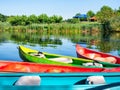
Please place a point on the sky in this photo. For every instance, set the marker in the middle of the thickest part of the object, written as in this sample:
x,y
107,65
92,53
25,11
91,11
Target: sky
x,y
65,8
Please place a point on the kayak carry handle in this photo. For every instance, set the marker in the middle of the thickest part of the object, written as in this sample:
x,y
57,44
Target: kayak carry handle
x,y
106,86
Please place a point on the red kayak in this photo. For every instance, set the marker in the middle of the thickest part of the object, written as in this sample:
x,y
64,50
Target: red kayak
x,y
10,66
112,70
108,59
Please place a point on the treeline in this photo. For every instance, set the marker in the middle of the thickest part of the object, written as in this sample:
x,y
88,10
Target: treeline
x,y
109,18
27,20
103,15
106,15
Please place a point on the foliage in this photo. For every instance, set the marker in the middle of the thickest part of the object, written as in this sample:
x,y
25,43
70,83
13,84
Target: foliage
x,y
4,25
117,12
115,23
18,20
3,17
74,20
105,14
32,19
55,19
90,14
43,18
77,14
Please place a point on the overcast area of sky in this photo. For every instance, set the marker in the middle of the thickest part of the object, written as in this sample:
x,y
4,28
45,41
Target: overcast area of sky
x,y
65,8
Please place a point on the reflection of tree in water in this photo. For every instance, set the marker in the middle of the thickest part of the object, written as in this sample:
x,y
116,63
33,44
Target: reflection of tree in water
x,y
35,38
107,46
119,52
105,36
106,31
52,39
4,37
118,48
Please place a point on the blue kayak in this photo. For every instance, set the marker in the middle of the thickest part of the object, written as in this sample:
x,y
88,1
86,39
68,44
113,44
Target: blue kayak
x,y
61,81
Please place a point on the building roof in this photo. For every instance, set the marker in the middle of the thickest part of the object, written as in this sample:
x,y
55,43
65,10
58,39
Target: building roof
x,y
93,18
80,16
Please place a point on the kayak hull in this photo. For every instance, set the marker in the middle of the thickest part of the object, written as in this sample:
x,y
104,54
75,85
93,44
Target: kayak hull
x,y
67,81
83,53
10,66
24,54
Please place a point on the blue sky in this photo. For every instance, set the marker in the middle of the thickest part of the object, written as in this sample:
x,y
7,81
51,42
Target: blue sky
x,y
65,8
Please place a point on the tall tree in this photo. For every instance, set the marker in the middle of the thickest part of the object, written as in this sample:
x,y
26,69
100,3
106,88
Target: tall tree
x,y
32,19
90,14
118,11
3,17
115,23
55,19
77,14
104,14
43,18
18,20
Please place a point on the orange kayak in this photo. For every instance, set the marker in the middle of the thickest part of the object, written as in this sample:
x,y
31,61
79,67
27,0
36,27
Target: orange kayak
x,y
11,66
103,58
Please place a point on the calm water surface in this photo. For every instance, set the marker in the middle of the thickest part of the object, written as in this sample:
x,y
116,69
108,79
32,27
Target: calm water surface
x,y
59,43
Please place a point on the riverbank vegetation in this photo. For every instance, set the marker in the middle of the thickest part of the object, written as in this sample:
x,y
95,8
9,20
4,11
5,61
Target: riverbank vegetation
x,y
106,18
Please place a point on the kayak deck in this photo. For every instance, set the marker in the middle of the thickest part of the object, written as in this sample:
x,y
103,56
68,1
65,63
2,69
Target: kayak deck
x,y
59,78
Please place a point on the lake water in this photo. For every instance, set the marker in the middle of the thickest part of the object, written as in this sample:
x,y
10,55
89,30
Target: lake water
x,y
58,43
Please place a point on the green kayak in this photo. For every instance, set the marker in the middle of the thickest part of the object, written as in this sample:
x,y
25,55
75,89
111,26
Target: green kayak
x,y
31,55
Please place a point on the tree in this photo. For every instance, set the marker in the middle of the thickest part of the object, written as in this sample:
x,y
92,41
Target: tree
x,y
43,18
104,14
51,19
13,20
115,23
118,11
90,14
59,19
24,20
32,19
74,20
77,14
55,19
3,17
18,20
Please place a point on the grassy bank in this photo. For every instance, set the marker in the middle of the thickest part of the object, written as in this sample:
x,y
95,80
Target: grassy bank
x,y
56,26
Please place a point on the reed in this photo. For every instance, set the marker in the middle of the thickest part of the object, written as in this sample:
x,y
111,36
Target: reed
x,y
53,26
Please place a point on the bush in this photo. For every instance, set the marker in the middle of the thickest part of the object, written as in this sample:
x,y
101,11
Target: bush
x,y
115,23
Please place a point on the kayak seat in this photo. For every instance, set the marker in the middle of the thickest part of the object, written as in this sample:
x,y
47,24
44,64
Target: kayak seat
x,y
92,64
95,80
92,80
38,54
62,59
107,59
28,81
92,55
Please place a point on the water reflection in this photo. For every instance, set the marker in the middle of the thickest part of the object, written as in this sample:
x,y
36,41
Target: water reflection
x,y
93,39
119,52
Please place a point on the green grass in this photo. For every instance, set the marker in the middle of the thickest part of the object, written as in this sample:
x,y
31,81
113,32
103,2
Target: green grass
x,y
53,26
